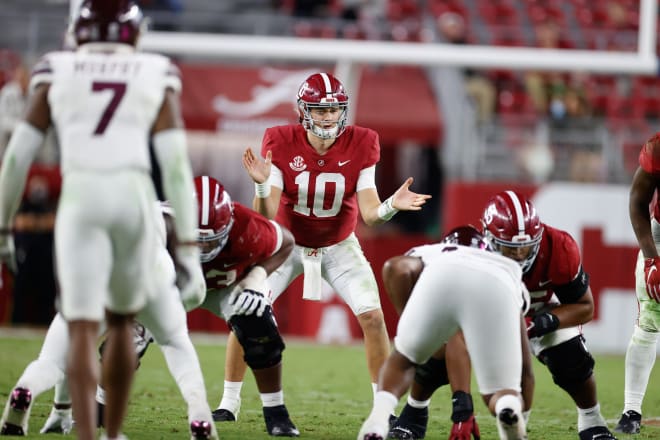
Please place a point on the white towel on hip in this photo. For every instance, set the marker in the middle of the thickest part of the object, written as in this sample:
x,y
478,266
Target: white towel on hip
x,y
312,280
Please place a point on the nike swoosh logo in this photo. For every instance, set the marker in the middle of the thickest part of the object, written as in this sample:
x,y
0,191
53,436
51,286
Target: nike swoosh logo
x,y
544,283
341,164
225,265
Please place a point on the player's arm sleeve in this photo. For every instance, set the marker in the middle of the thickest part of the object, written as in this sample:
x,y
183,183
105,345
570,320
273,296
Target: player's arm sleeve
x,y
172,156
572,291
367,178
21,151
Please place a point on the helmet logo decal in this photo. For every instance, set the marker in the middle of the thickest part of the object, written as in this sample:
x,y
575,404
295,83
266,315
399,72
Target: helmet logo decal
x,y
518,212
205,198
298,164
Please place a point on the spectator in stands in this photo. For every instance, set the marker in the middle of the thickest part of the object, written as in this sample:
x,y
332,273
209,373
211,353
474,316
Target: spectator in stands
x,y
480,88
547,89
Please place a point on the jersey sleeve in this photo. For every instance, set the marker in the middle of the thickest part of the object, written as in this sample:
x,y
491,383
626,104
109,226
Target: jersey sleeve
x,y
649,159
173,77
42,73
372,148
571,282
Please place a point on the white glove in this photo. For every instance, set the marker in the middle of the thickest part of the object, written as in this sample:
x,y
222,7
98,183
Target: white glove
x,y
7,251
59,421
248,302
189,276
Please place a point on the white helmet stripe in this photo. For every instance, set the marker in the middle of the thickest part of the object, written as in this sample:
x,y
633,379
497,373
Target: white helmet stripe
x,y
205,201
520,217
326,82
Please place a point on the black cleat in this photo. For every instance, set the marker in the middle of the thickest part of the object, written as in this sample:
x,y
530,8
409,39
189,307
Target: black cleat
x,y
411,424
278,422
201,430
629,423
16,414
596,433
223,415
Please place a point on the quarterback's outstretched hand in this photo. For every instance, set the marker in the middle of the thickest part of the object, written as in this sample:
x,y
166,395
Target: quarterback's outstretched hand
x,y
256,167
7,251
652,277
405,200
465,430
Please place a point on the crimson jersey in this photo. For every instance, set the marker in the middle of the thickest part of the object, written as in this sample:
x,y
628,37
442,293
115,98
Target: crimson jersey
x,y
318,202
252,239
649,160
556,270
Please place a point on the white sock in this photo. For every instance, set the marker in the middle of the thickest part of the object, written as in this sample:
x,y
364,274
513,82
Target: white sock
x,y
100,395
62,396
40,376
514,403
419,404
384,404
272,399
590,417
183,363
231,396
640,358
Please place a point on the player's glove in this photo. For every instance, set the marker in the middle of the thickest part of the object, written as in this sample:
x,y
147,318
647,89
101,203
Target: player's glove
x,y
249,302
652,277
462,414
465,430
8,251
542,324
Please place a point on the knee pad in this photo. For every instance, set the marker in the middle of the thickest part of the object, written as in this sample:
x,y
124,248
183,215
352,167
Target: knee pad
x,y
432,374
570,363
260,339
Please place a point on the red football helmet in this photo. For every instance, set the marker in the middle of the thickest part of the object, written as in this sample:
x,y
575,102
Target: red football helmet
x,y
216,216
467,235
511,220
108,21
322,90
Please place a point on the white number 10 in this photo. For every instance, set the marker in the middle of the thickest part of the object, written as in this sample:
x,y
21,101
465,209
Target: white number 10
x,y
302,180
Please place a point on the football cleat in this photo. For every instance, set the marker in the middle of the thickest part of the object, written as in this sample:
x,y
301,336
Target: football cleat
x,y
59,421
223,415
17,413
596,433
629,423
411,424
278,422
510,426
202,430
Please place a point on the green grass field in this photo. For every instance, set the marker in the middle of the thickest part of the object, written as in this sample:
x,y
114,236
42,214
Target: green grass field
x,y
327,392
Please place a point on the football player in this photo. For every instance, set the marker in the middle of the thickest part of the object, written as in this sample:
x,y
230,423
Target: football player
x,y
239,249
165,316
640,355
316,177
561,300
105,101
458,284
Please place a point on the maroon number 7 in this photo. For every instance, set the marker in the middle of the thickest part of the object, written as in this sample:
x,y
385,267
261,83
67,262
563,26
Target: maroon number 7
x,y
118,90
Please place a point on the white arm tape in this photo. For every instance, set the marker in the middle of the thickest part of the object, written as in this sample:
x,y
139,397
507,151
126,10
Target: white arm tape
x,y
21,151
256,279
262,190
386,211
172,155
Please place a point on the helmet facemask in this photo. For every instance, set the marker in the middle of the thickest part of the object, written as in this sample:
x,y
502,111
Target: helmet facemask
x,y
212,242
315,126
518,242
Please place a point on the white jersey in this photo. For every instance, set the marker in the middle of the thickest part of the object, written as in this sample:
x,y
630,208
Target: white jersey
x,y
103,104
482,261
